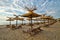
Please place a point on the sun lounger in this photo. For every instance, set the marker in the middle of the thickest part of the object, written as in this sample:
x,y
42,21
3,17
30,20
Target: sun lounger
x,y
8,26
13,27
20,26
33,31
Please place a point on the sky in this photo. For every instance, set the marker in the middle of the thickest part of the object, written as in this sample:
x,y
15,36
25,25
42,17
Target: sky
x,y
10,7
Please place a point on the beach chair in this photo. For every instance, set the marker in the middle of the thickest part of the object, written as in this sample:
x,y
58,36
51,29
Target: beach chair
x,y
13,27
7,26
37,23
34,31
20,26
47,25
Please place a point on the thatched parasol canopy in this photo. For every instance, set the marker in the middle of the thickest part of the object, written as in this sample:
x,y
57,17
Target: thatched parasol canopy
x,y
22,19
44,17
10,19
31,14
18,18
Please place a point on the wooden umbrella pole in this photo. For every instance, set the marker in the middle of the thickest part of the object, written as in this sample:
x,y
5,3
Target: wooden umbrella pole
x,y
10,23
37,20
31,21
44,21
16,23
22,22
34,21
48,22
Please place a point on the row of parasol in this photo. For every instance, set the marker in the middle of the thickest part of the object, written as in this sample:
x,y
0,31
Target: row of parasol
x,y
30,15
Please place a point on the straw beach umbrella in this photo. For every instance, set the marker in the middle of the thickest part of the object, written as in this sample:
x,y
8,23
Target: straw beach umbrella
x,y
10,19
46,18
51,20
42,17
34,19
29,19
18,18
22,19
30,14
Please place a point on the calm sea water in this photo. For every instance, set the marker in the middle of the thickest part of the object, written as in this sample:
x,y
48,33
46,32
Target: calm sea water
x,y
14,22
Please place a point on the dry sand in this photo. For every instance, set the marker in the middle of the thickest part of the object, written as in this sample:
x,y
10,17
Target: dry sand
x,y
48,33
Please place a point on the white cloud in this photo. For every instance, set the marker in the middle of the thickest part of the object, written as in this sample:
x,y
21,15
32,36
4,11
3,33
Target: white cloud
x,y
2,6
44,3
2,10
3,17
51,12
8,13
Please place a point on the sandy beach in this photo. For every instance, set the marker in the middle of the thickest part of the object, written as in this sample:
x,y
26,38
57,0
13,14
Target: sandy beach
x,y
49,33
29,19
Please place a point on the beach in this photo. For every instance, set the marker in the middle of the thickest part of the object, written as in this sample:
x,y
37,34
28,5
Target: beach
x,y
49,33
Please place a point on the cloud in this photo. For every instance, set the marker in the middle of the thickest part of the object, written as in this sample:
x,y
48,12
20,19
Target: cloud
x,y
45,3
2,10
51,12
5,2
2,18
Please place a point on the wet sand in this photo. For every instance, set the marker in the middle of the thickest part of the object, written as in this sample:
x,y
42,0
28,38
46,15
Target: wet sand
x,y
48,33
